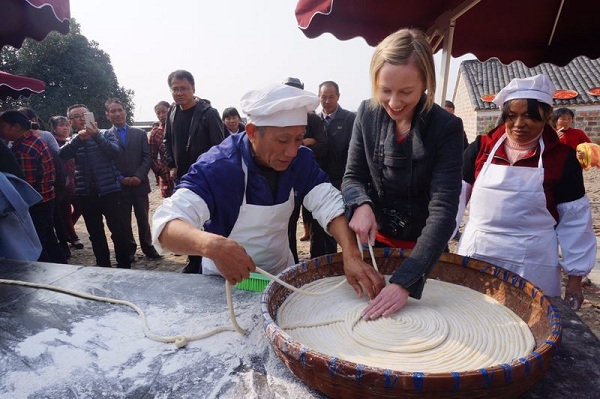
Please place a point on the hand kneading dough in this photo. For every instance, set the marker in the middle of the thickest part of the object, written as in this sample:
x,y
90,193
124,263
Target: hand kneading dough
x,y
452,328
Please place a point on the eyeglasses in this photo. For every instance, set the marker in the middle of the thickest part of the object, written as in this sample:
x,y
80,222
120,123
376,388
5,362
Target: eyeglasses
x,y
180,89
77,116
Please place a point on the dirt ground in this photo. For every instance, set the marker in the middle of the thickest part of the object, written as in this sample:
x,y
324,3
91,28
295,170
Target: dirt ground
x,y
589,312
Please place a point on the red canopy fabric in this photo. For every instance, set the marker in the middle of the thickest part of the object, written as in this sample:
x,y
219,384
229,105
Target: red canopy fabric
x,y
15,86
20,19
531,31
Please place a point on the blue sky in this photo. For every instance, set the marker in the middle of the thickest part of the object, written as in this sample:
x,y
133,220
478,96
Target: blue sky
x,y
230,46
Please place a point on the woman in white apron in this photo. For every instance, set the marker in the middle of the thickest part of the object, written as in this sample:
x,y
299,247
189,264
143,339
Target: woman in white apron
x,y
528,196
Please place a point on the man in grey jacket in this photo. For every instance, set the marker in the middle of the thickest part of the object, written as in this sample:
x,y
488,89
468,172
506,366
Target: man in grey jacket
x,y
133,164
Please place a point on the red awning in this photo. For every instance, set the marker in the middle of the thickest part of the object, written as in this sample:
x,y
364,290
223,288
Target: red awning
x,y
531,31
15,86
20,19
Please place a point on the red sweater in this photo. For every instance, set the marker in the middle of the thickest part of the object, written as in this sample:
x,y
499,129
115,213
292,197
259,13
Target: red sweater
x,y
574,137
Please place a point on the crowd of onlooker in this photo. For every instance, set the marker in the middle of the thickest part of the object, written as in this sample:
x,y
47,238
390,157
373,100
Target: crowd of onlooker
x,y
101,175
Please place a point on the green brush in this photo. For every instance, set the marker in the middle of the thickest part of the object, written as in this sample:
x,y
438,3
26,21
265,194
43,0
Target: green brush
x,y
257,283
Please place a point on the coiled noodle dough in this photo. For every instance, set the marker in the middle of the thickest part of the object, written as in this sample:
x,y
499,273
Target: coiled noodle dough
x,y
451,329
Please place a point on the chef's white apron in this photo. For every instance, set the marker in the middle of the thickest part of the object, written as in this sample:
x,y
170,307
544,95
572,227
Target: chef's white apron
x,y
510,225
262,231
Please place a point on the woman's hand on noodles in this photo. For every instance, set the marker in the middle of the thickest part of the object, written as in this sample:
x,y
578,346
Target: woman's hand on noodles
x,y
391,299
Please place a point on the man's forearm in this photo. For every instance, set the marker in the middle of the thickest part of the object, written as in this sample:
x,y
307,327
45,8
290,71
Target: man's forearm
x,y
183,238
345,237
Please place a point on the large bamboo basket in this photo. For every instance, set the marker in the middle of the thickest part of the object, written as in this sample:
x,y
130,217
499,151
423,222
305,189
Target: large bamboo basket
x,y
342,379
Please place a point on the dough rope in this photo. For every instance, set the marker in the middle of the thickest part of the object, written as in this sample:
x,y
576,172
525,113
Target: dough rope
x,y
179,340
182,340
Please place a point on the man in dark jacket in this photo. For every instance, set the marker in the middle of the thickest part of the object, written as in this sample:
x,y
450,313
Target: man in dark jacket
x,y
97,187
192,127
133,164
338,125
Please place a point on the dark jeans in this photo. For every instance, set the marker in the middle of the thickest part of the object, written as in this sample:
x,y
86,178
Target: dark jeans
x,y
42,215
292,231
130,199
68,215
93,207
194,265
321,243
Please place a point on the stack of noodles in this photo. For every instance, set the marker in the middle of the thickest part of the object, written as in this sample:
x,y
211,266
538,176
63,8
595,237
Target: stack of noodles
x,y
451,329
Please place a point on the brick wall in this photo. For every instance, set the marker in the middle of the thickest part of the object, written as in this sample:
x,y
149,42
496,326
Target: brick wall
x,y
464,109
486,121
587,118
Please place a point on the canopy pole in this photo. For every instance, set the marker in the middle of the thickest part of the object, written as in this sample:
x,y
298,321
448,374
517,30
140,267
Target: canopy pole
x,y
440,95
448,21
556,22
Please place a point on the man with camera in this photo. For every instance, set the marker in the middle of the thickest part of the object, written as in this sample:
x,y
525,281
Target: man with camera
x,y
96,186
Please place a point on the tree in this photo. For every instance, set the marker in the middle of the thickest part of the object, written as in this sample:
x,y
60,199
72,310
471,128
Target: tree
x,y
75,71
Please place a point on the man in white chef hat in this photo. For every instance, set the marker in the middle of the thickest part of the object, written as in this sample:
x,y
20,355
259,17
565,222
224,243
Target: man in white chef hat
x,y
233,206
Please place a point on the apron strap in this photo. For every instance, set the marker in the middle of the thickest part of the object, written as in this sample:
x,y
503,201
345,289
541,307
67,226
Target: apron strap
x,y
490,157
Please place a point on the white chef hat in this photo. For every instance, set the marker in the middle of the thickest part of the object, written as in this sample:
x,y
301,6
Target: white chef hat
x,y
538,87
278,105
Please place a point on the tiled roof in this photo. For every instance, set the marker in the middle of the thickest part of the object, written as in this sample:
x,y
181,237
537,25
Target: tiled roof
x,y
489,77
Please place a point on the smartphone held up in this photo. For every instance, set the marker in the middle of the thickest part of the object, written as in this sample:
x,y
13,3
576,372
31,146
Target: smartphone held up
x,y
89,119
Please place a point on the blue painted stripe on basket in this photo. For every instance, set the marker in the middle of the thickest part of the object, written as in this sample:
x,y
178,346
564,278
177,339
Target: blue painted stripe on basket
x,y
303,267
505,275
389,380
303,351
465,261
386,252
553,345
456,378
418,379
534,292
401,252
556,324
513,281
329,258
487,378
359,372
332,366
538,356
496,271
527,365
508,372
316,261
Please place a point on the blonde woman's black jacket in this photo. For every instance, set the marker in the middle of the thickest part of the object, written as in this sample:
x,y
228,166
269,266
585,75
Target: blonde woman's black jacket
x,y
420,177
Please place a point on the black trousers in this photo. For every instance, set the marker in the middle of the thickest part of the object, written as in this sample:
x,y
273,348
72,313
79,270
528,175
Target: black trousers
x,y
321,243
42,215
93,208
130,199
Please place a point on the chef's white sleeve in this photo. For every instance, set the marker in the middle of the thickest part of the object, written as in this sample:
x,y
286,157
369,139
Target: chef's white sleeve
x,y
325,202
463,200
576,237
184,204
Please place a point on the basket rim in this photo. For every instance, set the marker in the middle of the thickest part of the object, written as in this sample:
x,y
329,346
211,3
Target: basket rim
x,y
544,350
